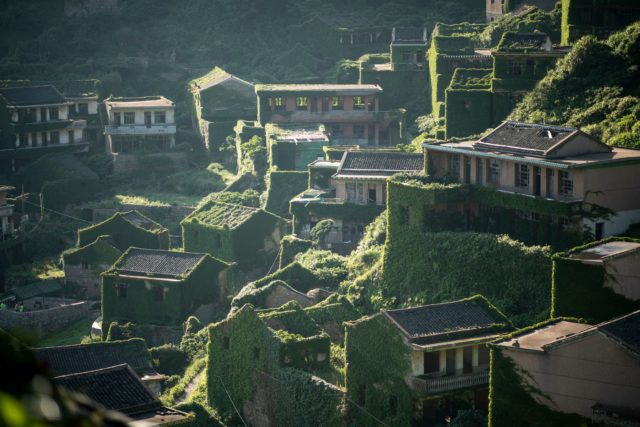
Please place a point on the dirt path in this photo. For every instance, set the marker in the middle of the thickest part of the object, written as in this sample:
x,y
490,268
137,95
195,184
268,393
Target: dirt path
x,y
190,387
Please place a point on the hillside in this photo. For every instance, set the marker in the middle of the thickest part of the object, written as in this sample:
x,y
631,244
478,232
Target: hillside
x,y
596,87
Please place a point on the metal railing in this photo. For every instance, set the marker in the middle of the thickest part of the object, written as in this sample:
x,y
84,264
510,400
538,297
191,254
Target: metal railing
x,y
135,129
445,384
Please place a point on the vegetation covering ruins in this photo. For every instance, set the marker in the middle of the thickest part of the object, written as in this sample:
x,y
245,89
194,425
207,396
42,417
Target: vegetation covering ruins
x,y
319,213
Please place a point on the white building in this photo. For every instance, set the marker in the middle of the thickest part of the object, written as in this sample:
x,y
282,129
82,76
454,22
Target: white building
x,y
139,124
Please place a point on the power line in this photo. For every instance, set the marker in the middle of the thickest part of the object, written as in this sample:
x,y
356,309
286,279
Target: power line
x,y
57,212
230,399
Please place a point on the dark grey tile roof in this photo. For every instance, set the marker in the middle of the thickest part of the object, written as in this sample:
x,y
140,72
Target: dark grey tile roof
x,y
71,359
116,388
157,262
379,163
32,95
534,138
446,321
625,330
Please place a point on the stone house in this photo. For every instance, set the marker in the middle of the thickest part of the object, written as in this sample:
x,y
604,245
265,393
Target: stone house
x,y
221,99
360,193
351,113
434,361
569,369
118,388
293,147
35,120
83,265
554,176
77,358
126,229
234,233
151,286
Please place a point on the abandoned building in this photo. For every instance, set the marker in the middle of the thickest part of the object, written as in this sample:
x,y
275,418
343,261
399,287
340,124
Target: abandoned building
x,y
598,385
7,221
221,99
496,8
83,265
145,124
434,360
293,147
78,358
234,233
597,17
597,281
126,229
350,113
35,120
356,194
561,175
158,287
118,388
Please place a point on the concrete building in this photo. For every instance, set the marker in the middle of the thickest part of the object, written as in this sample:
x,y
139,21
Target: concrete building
x,y
544,162
144,124
350,113
576,368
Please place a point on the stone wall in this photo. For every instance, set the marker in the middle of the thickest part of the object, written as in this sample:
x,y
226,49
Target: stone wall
x,y
86,278
38,324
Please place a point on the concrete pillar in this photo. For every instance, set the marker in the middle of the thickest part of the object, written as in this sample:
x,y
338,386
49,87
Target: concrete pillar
x,y
475,352
459,361
443,362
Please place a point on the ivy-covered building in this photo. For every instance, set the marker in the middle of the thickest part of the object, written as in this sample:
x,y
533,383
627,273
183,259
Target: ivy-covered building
x,y
403,72
234,233
83,265
562,373
357,193
351,113
126,229
480,98
597,281
496,8
150,286
422,364
220,99
260,364
597,17
35,120
554,178
293,147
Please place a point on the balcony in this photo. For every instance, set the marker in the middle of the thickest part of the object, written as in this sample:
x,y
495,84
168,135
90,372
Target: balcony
x,y
155,129
334,116
440,385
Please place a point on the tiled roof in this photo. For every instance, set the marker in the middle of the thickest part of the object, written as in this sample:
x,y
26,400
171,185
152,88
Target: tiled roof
x,y
525,136
72,359
625,330
443,322
139,220
157,262
32,95
359,163
116,388
220,214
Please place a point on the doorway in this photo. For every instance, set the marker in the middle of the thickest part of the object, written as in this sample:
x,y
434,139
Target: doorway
x,y
536,180
451,362
372,195
599,230
147,118
467,170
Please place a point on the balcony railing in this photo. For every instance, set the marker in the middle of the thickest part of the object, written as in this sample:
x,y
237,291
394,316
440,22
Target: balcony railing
x,y
6,210
446,384
154,129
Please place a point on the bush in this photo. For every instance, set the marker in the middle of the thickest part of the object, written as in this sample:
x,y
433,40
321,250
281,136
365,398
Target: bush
x,y
168,359
321,230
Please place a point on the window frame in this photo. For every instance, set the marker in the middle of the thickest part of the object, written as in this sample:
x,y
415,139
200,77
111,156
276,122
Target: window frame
x,y
522,175
129,118
160,117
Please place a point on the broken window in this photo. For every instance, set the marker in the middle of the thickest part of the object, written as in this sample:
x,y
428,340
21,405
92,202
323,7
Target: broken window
x,y
522,175
302,103
158,293
337,103
129,118
454,166
565,183
225,343
493,171
53,113
278,103
83,108
121,290
358,103
404,215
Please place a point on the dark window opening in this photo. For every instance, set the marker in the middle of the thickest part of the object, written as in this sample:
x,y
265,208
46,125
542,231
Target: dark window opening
x,y
121,291
83,108
158,293
483,355
467,360
393,405
256,353
404,215
225,343
361,398
431,362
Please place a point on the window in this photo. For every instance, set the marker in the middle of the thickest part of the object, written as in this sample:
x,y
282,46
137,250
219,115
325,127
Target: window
x,y
350,188
83,108
493,171
337,130
516,68
129,118
278,103
454,166
72,137
121,290
53,113
225,343
565,183
358,131
361,398
483,355
117,119
337,103
23,139
431,362
360,192
85,265
393,405
404,215
256,353
302,103
358,103
158,293
23,116
522,175
160,117
55,137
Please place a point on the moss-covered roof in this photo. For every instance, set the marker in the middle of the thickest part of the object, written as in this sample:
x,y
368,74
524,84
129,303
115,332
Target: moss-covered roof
x,y
156,262
471,78
290,318
213,78
223,215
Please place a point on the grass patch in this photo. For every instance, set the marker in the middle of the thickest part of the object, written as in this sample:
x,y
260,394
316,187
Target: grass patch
x,y
23,274
75,333
171,396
